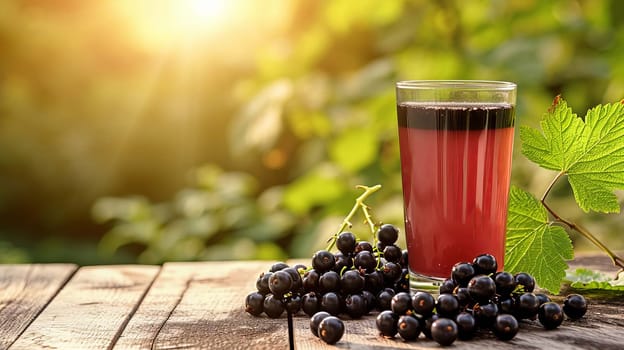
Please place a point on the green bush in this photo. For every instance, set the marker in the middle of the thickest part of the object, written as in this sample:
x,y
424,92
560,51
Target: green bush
x,y
320,108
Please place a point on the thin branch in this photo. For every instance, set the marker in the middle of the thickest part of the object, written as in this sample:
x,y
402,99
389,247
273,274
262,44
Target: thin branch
x,y
617,261
359,202
551,185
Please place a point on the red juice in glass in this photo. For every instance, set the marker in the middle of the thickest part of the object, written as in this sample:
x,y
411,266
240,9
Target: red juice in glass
x,y
455,164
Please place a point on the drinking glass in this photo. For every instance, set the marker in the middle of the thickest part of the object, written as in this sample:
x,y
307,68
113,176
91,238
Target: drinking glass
x,y
455,139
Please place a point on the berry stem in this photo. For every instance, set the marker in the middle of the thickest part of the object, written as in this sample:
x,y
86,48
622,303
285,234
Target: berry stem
x,y
368,218
617,261
359,203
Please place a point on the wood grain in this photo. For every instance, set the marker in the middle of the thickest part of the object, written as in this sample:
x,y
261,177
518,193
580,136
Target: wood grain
x,y
24,291
91,310
201,306
171,293
210,313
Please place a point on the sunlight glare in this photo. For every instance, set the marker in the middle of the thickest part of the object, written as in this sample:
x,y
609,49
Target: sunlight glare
x,y
159,22
202,14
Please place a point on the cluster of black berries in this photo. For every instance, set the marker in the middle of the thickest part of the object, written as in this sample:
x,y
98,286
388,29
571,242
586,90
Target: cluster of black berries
x,y
278,290
358,279
475,297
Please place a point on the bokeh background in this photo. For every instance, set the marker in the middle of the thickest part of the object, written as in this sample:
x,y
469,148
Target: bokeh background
x,y
153,130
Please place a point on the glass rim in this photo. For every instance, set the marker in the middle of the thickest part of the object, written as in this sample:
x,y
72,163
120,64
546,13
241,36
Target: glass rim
x,y
457,84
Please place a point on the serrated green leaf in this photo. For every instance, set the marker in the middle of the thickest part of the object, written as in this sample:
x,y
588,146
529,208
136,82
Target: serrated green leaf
x,y
588,279
558,147
600,169
590,152
533,245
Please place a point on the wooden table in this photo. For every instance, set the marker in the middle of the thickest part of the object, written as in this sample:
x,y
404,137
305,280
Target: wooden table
x,y
200,306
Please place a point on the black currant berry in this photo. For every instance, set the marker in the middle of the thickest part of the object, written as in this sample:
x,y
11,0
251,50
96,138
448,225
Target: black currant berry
x,y
323,261
280,283
481,288
401,303
402,285
463,296
253,303
404,259
447,305
391,272
387,234
315,321
444,331
262,283
485,264
506,305
273,306
371,300
293,304
461,273
505,283
355,306
505,327
365,260
408,327
380,247
343,262
466,325
575,306
386,322
374,281
310,303
550,315
384,299
543,298
423,303
426,329
310,281
278,266
351,282
297,282
329,282
330,302
331,329
526,281
527,305
363,245
392,253
448,286
485,314
346,242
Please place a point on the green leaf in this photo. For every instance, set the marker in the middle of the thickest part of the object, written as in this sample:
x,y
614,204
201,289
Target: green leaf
x,y
588,279
590,152
533,245
318,187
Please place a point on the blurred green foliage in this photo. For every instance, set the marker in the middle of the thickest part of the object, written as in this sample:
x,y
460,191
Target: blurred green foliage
x,y
288,121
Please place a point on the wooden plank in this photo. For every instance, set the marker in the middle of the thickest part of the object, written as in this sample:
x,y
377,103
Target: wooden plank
x,y
601,328
167,291
24,291
210,315
91,310
198,306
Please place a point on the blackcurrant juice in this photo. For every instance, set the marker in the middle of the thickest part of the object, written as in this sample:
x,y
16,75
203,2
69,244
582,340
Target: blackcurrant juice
x,y
455,164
